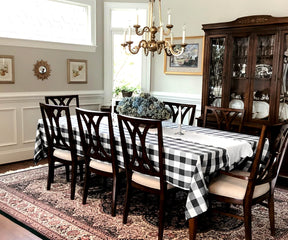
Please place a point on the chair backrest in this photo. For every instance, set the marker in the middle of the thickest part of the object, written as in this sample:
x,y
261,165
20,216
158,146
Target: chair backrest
x,y
225,118
62,100
52,117
134,132
267,172
90,132
185,109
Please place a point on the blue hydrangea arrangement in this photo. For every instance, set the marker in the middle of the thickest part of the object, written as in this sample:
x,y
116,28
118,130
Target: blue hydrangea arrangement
x,y
145,106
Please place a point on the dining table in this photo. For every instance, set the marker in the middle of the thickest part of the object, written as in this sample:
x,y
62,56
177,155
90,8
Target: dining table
x,y
192,155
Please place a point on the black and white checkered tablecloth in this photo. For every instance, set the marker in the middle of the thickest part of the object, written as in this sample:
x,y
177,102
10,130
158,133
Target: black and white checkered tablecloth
x,y
188,164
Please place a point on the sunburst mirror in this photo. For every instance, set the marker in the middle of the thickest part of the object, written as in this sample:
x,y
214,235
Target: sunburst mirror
x,y
42,70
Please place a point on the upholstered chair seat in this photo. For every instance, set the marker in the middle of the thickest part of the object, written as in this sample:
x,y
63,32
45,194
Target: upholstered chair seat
x,y
232,187
102,166
148,181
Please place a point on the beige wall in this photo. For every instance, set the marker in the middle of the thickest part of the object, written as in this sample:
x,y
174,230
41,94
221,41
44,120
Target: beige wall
x,y
25,58
194,14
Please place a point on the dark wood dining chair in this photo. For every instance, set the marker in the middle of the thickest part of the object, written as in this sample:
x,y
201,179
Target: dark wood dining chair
x,y
229,119
100,158
141,171
62,100
61,145
185,109
254,187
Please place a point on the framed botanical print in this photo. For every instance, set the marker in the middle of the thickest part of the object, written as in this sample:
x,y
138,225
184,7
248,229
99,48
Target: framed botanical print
x,y
77,71
188,63
7,69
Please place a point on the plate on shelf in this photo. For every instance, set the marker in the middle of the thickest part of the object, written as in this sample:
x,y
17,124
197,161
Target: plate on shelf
x,y
216,102
260,109
236,103
283,111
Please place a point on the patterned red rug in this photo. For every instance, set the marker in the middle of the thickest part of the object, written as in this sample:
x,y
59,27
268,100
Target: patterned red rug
x,y
52,215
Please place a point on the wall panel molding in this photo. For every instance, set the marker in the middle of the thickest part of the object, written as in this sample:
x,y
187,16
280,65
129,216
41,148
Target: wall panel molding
x,y
8,126
19,114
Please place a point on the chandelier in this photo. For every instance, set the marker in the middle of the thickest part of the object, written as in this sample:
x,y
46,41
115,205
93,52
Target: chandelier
x,y
149,43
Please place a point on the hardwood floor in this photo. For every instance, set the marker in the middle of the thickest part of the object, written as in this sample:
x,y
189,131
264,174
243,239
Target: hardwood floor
x,y
8,229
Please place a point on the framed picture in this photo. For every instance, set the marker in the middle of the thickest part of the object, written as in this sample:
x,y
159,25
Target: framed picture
x,y
188,63
7,69
76,71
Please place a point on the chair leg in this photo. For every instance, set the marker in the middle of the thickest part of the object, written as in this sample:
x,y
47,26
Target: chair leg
x,y
114,196
161,218
81,171
86,185
73,180
50,174
127,201
67,172
271,214
247,222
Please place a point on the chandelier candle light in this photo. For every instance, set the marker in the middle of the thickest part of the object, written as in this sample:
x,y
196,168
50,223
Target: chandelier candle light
x,y
149,43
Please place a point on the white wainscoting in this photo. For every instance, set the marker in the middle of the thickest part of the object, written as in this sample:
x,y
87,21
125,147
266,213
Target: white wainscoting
x,y
181,98
19,113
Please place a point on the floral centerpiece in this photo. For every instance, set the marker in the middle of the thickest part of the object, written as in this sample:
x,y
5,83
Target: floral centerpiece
x,y
144,105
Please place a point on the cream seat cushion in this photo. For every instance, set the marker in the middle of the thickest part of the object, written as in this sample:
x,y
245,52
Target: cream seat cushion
x,y
232,187
102,166
63,154
148,181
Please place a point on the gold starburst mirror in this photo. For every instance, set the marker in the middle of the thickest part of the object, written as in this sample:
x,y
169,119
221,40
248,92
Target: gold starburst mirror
x,y
42,70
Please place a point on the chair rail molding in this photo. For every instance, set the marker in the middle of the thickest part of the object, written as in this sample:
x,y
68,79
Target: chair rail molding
x,y
19,114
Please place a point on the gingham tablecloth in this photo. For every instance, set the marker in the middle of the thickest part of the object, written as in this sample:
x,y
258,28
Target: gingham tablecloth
x,y
188,164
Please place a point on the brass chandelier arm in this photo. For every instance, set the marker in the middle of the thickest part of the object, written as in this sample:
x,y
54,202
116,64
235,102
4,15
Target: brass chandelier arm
x,y
139,32
169,49
169,29
135,49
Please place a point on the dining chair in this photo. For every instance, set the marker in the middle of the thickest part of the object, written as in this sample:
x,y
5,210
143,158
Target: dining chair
x,y
61,144
145,167
254,187
62,100
185,109
100,158
229,119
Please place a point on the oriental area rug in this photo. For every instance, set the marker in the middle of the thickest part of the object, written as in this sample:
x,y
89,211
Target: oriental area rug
x,y
52,215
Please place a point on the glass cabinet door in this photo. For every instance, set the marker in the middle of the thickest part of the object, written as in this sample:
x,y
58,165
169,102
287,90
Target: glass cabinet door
x,y
216,66
283,106
263,76
239,73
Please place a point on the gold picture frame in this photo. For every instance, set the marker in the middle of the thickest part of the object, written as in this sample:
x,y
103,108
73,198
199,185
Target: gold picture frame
x,y
76,71
190,62
7,69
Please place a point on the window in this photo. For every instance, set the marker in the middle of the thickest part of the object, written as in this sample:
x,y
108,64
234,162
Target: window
x,y
53,21
121,67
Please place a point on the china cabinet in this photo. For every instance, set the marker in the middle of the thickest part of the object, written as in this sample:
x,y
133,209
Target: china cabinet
x,y
245,66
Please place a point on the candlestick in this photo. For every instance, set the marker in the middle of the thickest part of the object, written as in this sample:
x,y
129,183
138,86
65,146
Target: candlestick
x,y
179,121
169,16
183,34
161,33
